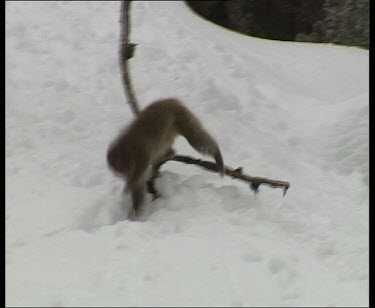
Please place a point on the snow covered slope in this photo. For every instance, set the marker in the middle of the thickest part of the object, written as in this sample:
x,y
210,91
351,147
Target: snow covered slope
x,y
290,111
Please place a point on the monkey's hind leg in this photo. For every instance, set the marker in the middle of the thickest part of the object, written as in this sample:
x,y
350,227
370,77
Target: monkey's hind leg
x,y
154,172
138,193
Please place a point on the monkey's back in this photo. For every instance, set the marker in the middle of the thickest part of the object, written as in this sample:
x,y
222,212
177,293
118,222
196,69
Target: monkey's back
x,y
155,127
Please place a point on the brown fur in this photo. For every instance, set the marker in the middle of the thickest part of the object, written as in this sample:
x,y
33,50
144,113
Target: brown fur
x,y
149,137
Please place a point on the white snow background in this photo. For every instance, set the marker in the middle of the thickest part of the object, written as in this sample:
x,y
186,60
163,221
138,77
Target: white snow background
x,y
290,111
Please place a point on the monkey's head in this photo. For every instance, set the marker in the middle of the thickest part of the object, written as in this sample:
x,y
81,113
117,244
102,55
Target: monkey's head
x,y
118,160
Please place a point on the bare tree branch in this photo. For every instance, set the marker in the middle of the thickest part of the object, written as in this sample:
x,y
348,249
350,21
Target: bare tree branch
x,y
126,53
254,182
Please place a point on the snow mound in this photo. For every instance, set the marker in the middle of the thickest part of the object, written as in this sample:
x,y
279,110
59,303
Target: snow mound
x,y
283,110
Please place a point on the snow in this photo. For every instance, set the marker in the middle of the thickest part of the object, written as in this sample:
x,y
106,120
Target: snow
x,y
290,111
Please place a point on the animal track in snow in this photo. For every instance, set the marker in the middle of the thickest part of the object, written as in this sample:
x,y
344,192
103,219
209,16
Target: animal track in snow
x,y
276,265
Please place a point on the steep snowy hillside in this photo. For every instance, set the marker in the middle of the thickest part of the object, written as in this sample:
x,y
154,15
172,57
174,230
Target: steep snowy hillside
x,y
290,111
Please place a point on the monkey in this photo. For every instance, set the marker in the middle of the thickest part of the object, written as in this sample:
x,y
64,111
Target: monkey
x,y
149,138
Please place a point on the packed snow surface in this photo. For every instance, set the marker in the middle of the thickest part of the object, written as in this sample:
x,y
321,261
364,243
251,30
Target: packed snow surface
x,y
290,111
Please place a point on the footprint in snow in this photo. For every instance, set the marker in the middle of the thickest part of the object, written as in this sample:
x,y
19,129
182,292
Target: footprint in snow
x,y
284,274
276,265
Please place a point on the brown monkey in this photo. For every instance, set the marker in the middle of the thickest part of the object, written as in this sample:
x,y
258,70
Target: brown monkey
x,y
150,137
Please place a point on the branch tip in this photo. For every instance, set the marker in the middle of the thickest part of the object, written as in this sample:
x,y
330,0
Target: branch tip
x,y
285,190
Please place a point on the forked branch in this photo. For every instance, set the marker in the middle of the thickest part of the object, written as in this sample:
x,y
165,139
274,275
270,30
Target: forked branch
x,y
126,53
